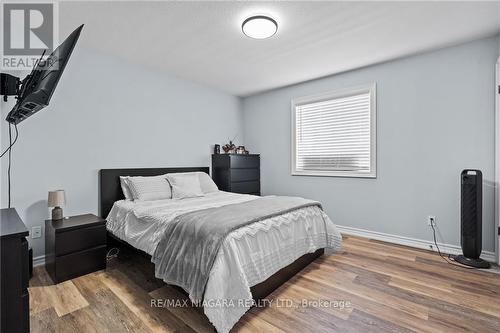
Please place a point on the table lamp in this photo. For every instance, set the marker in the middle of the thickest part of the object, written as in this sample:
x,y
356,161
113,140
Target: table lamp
x,y
56,199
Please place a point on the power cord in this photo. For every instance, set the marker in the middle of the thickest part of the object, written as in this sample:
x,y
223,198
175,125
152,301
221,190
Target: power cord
x,y
112,253
9,151
10,161
11,144
449,256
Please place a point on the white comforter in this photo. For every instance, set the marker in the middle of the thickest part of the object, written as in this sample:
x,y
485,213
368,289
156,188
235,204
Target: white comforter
x,y
248,255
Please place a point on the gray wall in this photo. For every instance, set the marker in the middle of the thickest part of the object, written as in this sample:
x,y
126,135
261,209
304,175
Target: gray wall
x,y
498,44
435,118
107,113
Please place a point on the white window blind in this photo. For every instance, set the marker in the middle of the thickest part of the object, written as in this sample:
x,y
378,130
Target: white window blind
x,y
334,134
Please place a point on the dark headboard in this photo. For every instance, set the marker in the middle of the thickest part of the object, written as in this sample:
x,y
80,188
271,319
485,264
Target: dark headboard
x,y
111,191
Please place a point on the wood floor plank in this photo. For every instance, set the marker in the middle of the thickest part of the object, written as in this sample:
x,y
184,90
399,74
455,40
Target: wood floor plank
x,y
376,296
376,324
44,321
139,302
354,247
449,271
89,284
40,299
297,293
251,323
138,269
382,267
189,315
424,279
388,288
63,297
490,307
403,250
66,298
109,311
85,320
438,308
40,277
289,319
380,310
443,274
347,285
106,311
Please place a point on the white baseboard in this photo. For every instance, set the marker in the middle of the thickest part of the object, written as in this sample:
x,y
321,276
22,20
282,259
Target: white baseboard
x,y
39,261
413,242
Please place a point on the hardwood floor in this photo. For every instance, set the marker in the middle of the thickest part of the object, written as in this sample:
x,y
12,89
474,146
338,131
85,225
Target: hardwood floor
x,y
384,287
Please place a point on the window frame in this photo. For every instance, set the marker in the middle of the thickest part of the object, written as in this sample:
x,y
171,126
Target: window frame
x,y
338,93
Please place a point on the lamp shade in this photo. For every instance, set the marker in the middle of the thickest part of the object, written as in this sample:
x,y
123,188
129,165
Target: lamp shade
x,y
56,198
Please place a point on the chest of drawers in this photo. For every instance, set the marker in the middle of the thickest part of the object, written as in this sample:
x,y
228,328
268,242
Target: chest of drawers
x,y
237,173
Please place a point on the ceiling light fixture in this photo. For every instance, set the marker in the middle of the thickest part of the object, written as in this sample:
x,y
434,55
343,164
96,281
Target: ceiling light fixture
x,y
259,27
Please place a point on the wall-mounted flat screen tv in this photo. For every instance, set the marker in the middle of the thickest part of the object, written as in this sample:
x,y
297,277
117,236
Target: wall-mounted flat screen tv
x,y
37,88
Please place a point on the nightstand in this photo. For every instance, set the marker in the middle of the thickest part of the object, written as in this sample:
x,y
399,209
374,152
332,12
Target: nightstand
x,y
75,246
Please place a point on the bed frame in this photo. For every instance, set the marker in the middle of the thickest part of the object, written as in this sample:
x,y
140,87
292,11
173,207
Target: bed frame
x,y
110,191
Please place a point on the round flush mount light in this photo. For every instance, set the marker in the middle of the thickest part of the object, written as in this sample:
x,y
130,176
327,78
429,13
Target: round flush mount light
x,y
259,27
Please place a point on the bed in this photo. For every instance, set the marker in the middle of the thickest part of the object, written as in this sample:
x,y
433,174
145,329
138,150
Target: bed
x,y
254,259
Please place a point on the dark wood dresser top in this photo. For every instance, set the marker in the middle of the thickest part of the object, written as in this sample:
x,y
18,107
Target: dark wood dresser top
x,y
75,222
11,224
225,154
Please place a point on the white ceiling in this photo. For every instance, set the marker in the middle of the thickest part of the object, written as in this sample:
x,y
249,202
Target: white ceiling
x,y
203,42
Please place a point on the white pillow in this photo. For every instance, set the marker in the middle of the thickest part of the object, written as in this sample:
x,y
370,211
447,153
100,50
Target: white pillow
x,y
206,183
149,188
185,185
125,188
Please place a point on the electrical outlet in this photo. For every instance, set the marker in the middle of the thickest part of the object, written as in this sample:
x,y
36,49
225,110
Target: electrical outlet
x,y
36,232
431,220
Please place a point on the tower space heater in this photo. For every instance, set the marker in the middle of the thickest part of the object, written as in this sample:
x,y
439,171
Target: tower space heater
x,y
471,217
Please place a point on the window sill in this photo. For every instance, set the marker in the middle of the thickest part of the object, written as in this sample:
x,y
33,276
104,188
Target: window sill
x,y
335,174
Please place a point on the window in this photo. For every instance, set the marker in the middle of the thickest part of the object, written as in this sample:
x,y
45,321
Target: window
x,y
334,134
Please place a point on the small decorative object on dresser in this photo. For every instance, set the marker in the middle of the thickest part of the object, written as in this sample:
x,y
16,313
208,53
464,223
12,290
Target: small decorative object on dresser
x,y
216,149
75,246
241,150
229,148
238,173
56,199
